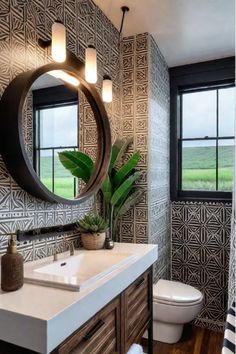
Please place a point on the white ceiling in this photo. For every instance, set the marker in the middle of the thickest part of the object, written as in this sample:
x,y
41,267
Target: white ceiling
x,y
186,31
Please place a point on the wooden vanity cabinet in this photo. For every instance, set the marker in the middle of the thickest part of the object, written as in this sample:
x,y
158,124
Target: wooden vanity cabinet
x,y
114,328
136,311
118,325
101,334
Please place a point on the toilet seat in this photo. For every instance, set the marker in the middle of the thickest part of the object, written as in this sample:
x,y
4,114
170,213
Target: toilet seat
x,y
175,293
173,303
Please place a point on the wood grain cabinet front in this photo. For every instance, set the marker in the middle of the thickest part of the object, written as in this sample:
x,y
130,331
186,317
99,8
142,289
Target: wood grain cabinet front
x,y
136,310
118,325
101,334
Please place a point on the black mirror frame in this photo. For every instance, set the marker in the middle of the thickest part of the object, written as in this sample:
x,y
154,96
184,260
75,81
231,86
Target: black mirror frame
x,y
11,134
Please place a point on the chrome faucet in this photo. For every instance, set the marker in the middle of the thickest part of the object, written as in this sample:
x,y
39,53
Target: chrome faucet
x,y
70,248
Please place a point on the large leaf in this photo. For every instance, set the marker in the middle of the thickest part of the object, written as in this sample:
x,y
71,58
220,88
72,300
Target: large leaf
x,y
124,188
78,163
126,169
130,201
124,197
106,189
118,149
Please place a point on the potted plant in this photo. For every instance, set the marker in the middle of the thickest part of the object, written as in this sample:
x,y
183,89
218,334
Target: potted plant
x,y
119,192
93,231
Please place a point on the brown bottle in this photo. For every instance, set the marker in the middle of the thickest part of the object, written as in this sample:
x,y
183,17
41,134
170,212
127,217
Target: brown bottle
x,y
11,268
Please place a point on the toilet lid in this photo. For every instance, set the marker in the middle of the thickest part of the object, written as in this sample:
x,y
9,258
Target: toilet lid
x,y
173,291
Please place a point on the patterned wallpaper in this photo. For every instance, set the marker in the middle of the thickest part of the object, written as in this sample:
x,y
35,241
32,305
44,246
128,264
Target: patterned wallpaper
x,y
200,255
158,161
232,261
145,114
21,24
232,265
134,122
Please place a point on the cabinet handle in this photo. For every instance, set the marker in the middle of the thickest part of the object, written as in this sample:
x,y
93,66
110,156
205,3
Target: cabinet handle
x,y
140,282
96,327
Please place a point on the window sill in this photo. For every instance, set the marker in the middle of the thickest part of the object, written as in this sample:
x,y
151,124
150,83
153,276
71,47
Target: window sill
x,y
202,199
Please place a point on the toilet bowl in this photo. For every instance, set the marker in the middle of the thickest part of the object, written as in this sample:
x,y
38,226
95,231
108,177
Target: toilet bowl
x,y
174,304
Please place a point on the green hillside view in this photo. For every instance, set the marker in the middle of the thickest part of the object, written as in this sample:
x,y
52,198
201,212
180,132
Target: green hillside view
x,y
199,168
198,171
63,182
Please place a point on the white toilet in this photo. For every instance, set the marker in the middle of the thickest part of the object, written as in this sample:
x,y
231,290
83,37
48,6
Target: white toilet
x,y
174,304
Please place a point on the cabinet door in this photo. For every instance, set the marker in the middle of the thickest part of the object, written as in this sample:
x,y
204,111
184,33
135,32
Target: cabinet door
x,y
100,335
136,310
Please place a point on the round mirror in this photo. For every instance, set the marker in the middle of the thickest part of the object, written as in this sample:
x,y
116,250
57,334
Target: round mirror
x,y
58,119
61,133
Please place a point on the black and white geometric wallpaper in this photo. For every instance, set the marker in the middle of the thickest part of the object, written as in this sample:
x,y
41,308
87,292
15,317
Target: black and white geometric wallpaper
x,y
134,122
159,161
200,255
145,115
232,261
22,22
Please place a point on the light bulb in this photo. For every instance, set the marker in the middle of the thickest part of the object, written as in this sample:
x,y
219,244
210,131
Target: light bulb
x,y
107,89
64,76
91,65
58,42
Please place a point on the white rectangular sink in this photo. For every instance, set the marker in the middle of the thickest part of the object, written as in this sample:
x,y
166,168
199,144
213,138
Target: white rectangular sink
x,y
77,272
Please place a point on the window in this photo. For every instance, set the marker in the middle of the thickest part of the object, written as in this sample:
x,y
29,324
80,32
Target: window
x,y
207,140
56,129
202,116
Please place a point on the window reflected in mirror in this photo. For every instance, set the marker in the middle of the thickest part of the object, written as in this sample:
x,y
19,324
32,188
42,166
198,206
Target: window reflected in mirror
x,y
58,118
56,130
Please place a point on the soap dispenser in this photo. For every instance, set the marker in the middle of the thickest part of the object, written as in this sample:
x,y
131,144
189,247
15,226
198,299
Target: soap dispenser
x,y
11,268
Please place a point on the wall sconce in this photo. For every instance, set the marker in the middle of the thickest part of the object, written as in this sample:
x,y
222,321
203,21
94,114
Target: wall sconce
x,y
107,89
58,52
58,42
91,64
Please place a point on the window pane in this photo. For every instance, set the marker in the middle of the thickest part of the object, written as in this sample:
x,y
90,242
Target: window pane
x,y
63,180
226,165
226,111
199,165
46,168
58,126
199,114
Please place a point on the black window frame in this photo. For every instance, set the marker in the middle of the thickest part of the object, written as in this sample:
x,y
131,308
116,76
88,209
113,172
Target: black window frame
x,y
205,75
56,96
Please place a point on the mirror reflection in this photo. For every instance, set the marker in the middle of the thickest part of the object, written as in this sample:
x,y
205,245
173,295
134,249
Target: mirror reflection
x,y
57,117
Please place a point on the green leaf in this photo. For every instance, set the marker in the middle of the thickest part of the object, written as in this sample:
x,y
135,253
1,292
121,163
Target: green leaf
x,y
130,201
124,196
106,189
118,149
124,188
91,223
126,169
78,163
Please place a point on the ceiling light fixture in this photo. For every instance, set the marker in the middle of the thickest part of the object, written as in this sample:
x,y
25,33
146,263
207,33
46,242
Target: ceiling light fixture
x,y
124,9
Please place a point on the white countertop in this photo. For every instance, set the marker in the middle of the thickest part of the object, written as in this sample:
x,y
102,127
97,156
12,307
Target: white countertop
x,y
40,318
